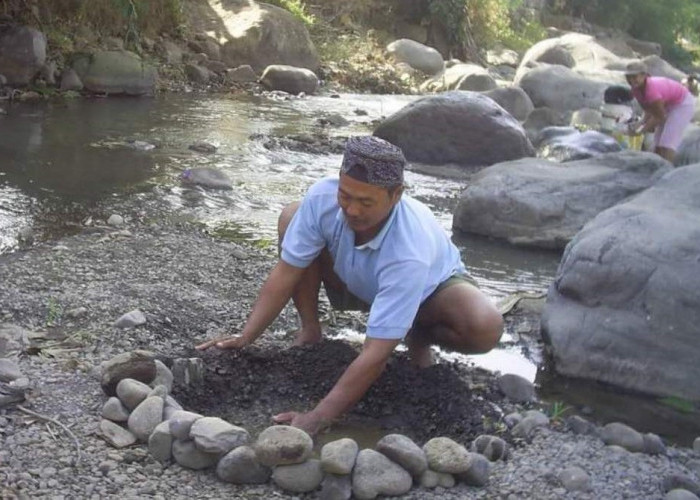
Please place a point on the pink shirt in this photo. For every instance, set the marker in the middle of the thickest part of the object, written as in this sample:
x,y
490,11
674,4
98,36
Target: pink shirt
x,y
659,88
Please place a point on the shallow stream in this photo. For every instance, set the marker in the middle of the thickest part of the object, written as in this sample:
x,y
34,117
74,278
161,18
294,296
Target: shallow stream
x,y
68,162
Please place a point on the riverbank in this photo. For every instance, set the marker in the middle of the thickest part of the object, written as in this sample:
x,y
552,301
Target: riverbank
x,y
192,286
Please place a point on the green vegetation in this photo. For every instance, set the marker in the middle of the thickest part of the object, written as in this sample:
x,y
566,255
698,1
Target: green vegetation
x,y
557,410
126,19
678,404
297,8
54,312
668,22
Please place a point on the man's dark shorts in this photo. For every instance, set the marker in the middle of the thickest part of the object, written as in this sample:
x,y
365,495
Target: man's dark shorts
x,y
344,300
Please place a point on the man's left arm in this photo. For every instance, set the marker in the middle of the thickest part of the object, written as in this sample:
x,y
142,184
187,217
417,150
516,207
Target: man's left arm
x,y
348,390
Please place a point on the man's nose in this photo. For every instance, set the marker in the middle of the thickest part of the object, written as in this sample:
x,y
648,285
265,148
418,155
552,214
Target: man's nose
x,y
352,209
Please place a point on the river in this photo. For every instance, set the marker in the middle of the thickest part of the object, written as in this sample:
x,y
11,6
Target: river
x,y
66,163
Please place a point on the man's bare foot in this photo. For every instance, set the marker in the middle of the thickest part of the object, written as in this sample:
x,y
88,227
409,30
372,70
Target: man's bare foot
x,y
308,336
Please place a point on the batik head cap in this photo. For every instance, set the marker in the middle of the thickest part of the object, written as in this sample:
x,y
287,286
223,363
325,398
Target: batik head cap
x,y
382,161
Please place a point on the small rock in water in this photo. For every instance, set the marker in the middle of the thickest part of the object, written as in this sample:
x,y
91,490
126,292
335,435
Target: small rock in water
x,y
516,388
26,236
140,145
206,177
203,147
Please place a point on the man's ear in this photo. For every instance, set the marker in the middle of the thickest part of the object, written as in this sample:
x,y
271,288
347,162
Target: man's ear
x,y
396,194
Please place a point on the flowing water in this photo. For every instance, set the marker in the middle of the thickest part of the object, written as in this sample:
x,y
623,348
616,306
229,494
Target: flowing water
x,y
63,163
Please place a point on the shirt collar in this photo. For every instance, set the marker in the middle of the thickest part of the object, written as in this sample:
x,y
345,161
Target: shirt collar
x,y
376,242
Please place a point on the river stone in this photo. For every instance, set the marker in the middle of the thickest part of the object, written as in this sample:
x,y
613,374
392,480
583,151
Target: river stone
x,y
265,35
478,472
115,220
338,457
170,408
451,77
208,177
696,445
241,466
445,455
289,79
181,423
681,481
198,74
115,410
608,316
188,455
462,128
492,447
163,376
131,319
580,425
429,479
116,72
160,391
70,81
144,419
575,479
416,55
9,370
298,478
525,429
542,203
514,100
477,83
560,88
132,392
160,442
242,74
203,147
622,435
570,145
115,434
214,435
539,417
283,445
403,451
512,419
375,474
336,487
516,388
680,494
694,465
22,54
653,445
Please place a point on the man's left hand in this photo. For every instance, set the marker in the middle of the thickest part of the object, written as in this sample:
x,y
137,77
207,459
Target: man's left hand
x,y
308,422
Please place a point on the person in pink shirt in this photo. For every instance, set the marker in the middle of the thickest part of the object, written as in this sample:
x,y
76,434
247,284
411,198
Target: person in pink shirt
x,y
668,108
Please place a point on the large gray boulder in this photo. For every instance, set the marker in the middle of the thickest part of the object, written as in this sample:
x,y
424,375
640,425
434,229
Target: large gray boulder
x,y
561,88
689,149
22,54
569,144
116,72
452,76
540,203
261,35
416,55
462,128
289,79
658,67
625,305
514,100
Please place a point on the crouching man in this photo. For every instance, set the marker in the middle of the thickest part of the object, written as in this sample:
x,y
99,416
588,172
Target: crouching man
x,y
377,250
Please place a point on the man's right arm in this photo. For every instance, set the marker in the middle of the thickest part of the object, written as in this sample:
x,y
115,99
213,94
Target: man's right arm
x,y
274,295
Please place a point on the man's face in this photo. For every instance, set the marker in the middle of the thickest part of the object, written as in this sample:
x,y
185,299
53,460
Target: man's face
x,y
365,206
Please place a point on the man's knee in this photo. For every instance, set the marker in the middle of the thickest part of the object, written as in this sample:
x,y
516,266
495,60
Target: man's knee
x,y
486,331
286,217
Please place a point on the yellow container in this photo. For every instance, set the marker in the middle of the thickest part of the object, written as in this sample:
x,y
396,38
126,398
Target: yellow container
x,y
632,142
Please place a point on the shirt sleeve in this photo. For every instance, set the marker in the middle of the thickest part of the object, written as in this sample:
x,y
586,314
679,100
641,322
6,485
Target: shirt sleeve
x,y
393,310
303,240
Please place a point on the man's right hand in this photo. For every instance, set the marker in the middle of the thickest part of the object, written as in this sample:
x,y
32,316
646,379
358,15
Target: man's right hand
x,y
230,342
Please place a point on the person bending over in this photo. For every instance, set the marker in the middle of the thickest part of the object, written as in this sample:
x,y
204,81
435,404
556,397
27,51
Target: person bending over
x,y
668,108
378,250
